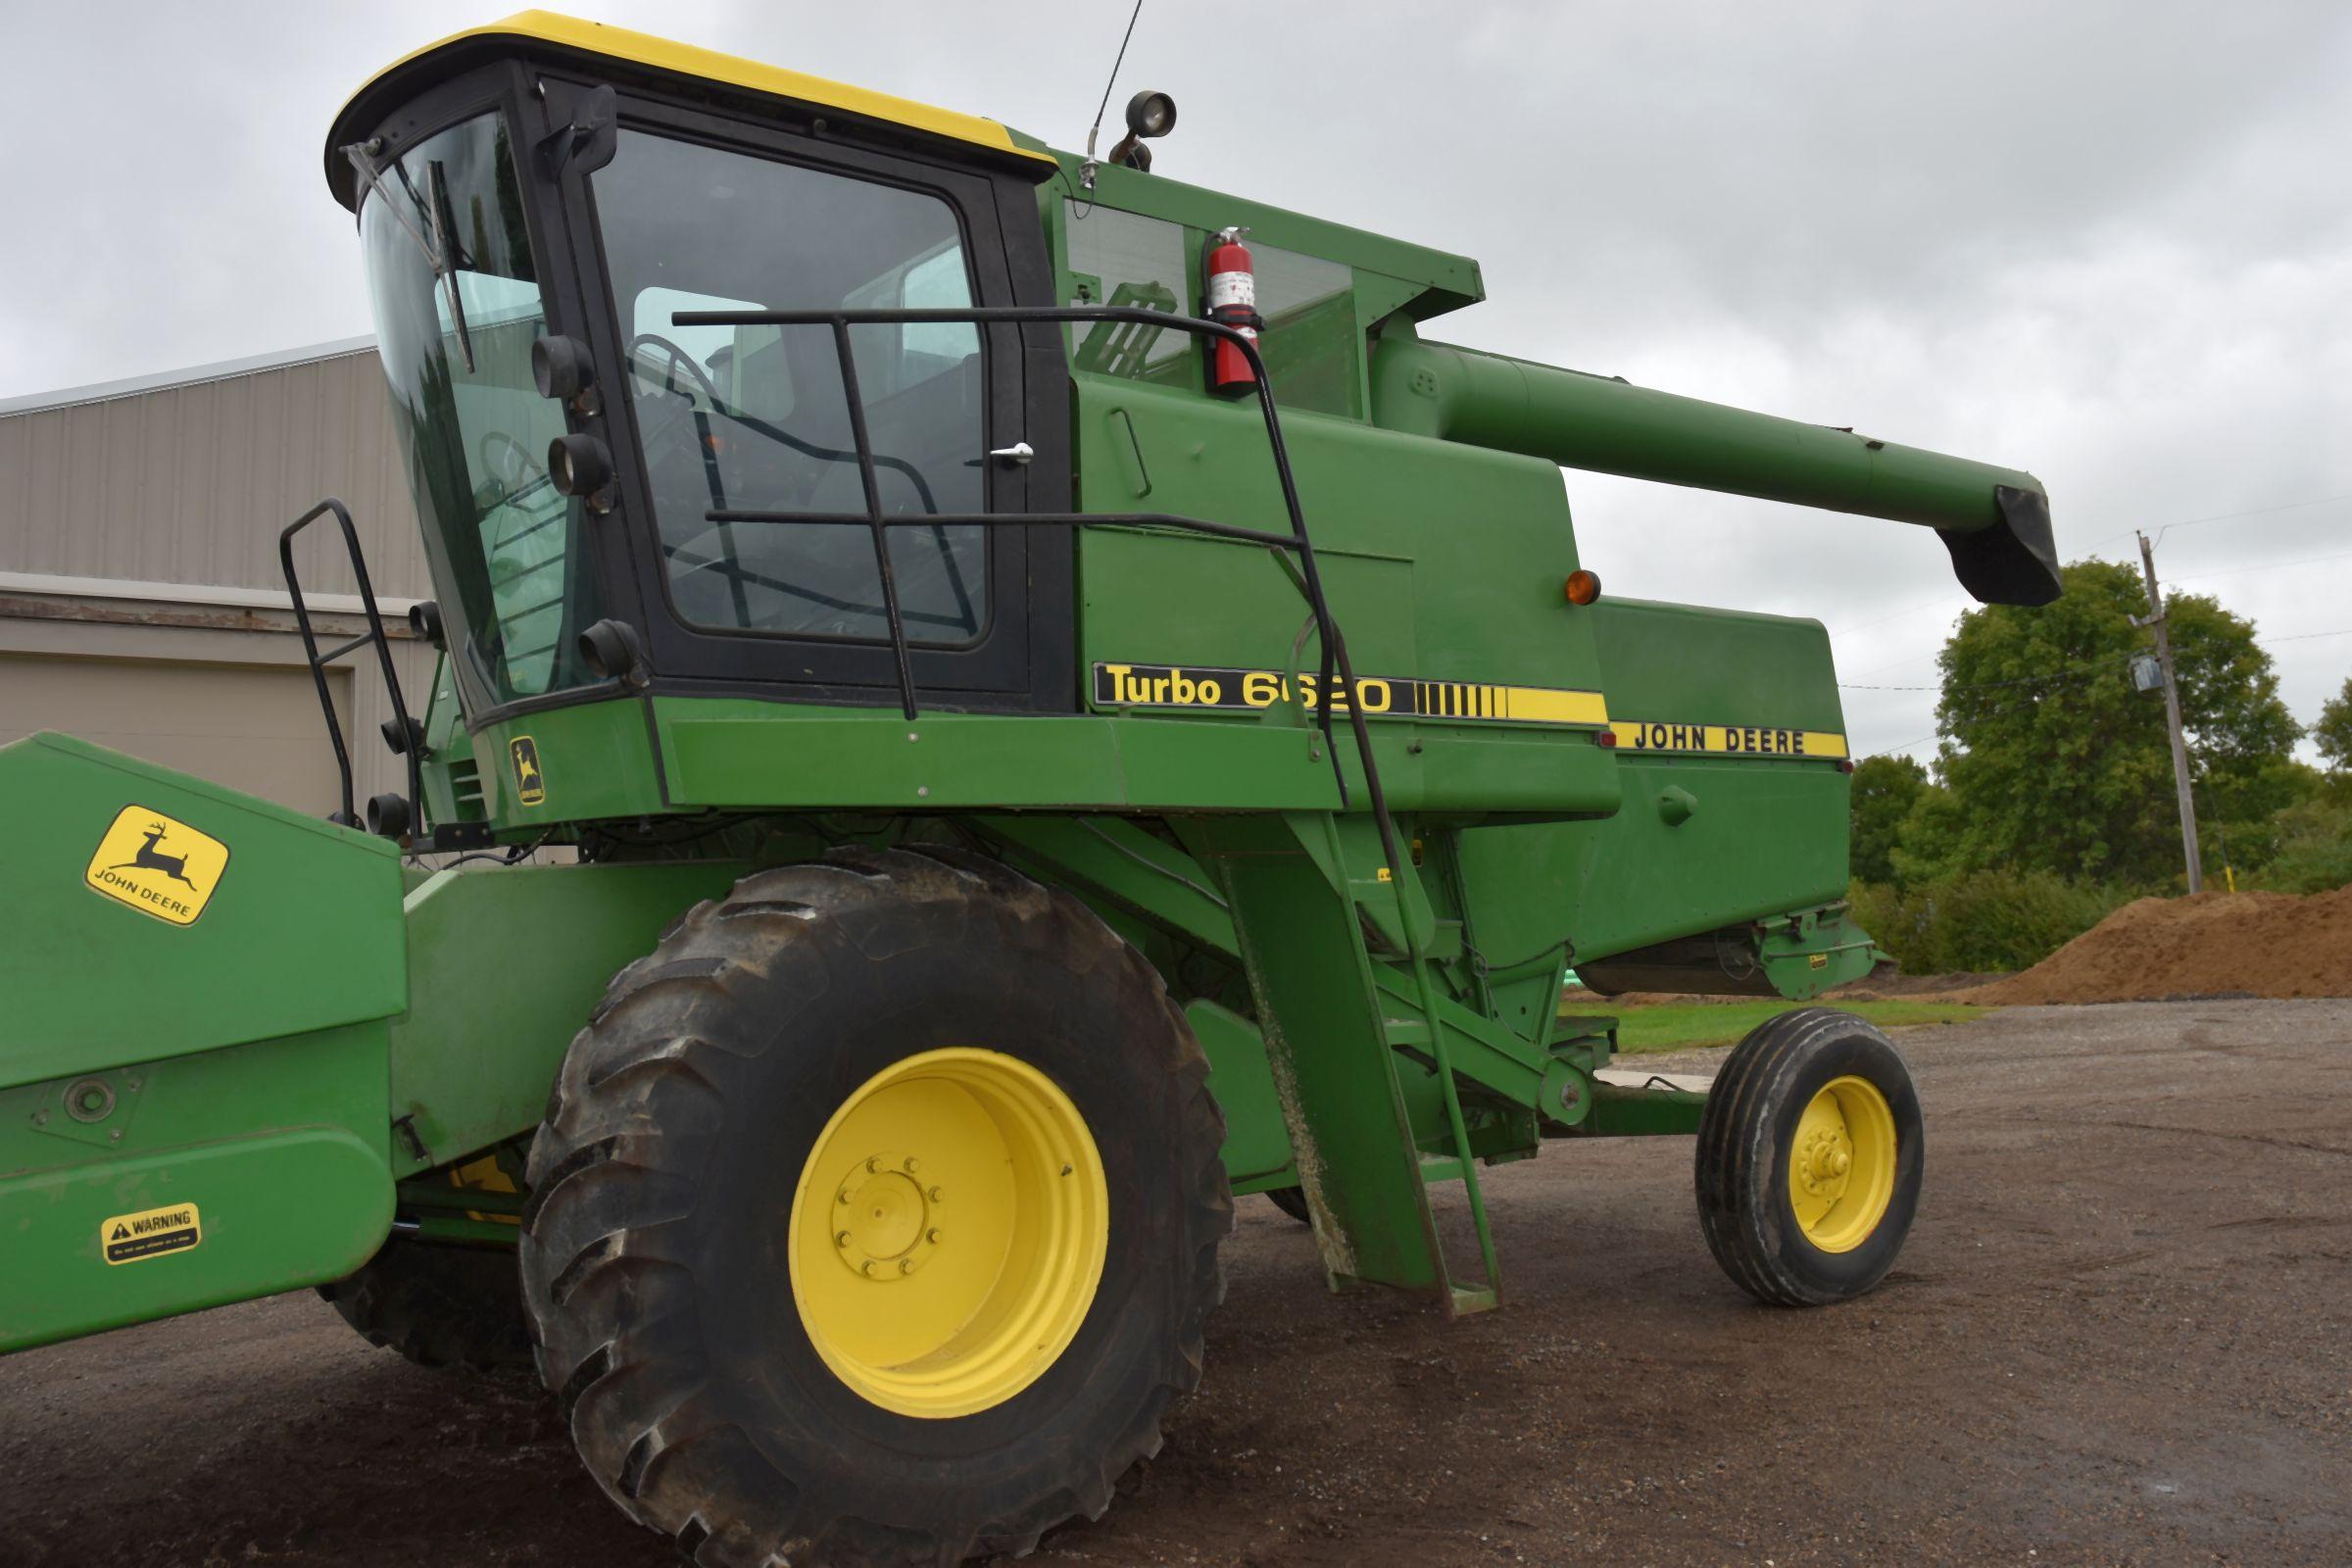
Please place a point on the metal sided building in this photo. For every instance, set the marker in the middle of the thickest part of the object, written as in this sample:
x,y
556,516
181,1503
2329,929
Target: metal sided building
x,y
141,601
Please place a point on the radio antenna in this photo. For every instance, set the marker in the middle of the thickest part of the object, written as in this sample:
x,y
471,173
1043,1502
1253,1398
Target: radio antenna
x,y
1086,175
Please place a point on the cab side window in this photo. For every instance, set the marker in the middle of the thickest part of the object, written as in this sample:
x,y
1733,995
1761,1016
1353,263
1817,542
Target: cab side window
x,y
757,419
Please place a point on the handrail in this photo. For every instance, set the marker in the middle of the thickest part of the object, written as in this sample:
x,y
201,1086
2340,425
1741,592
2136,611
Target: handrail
x,y
1296,542
408,728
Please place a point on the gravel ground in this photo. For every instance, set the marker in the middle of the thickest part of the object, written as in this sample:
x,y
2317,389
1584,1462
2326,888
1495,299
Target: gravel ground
x,y
2119,1334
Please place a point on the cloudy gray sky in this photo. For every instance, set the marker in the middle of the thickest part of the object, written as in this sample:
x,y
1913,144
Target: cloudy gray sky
x,y
2107,242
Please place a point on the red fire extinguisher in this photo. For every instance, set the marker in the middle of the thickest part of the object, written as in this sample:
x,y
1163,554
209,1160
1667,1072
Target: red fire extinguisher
x,y
1232,299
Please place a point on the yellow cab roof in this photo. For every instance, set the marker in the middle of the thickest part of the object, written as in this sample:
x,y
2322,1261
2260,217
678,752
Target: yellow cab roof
x,y
570,35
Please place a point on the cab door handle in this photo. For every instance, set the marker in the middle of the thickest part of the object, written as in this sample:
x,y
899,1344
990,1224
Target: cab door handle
x,y
1016,455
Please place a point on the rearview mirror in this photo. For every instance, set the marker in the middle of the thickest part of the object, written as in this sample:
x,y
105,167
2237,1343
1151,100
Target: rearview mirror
x,y
589,140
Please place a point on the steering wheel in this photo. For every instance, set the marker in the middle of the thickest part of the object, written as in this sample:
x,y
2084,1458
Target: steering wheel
x,y
676,356
506,460
660,446
511,466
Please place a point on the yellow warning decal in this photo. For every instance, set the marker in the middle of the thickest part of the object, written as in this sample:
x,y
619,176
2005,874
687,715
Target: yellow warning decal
x,y
158,864
1229,690
150,1232
1729,740
530,784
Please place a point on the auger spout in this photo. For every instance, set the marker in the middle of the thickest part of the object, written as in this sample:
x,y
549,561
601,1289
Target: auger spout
x,y
1995,521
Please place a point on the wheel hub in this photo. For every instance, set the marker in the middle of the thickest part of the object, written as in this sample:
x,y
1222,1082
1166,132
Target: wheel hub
x,y
1823,1162
886,1225
973,1170
1841,1164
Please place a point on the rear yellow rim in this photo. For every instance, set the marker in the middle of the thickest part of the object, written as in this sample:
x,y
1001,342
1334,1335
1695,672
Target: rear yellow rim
x,y
948,1232
1842,1167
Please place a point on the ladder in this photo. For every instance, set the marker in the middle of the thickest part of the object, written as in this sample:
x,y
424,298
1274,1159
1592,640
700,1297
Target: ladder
x,y
1334,1035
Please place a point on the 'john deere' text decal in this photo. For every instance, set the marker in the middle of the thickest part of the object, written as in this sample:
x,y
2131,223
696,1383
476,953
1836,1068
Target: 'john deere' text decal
x,y
1728,739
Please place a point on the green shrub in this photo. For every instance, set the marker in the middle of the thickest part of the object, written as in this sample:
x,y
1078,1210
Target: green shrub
x,y
2315,847
1893,922
1979,920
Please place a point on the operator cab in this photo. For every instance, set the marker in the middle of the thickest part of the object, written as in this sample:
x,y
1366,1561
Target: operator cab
x,y
539,203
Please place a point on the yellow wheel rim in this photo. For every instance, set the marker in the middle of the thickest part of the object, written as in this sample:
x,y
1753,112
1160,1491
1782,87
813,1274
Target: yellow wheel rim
x,y
948,1232
1842,1165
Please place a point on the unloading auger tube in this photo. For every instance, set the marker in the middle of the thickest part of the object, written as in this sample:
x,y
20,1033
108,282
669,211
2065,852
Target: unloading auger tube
x,y
1995,521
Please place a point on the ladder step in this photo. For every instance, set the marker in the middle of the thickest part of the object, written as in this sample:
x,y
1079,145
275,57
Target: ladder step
x,y
1439,1168
1403,1032
1469,1299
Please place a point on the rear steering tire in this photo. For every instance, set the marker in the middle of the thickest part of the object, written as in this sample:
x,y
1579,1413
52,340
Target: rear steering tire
x,y
1810,1157
1292,1201
875,1217
438,1306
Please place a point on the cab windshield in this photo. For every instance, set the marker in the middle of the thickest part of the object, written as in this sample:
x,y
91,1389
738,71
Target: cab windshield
x,y
458,306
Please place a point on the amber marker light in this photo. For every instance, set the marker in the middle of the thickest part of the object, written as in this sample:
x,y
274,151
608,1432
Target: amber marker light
x,y
1581,587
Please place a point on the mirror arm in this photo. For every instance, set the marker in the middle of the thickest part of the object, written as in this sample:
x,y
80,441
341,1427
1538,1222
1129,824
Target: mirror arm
x,y
589,140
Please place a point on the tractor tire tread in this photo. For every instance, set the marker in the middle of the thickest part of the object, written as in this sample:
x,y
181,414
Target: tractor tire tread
x,y
614,1162
1735,1156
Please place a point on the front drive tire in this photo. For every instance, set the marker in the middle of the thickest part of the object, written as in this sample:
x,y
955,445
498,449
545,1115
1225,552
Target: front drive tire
x,y
875,1217
1810,1157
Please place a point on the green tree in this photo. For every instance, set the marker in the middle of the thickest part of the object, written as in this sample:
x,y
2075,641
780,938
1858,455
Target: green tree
x,y
1885,788
2055,763
2333,731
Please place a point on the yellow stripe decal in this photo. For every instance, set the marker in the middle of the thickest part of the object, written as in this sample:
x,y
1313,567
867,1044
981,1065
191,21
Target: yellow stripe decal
x,y
1230,690
1728,739
1543,705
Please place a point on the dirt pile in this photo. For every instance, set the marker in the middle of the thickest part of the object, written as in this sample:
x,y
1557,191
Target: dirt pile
x,y
2214,944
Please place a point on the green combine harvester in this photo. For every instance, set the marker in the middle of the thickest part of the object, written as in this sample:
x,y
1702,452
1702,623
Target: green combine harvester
x,y
1052,704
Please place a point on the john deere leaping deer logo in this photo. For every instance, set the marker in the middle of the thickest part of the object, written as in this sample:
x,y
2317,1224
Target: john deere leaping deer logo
x,y
158,866
530,785
152,858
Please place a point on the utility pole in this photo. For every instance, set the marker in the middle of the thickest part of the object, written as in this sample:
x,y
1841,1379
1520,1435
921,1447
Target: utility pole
x,y
2171,718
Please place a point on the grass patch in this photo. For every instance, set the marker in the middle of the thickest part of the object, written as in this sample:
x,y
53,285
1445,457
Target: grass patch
x,y
1686,1026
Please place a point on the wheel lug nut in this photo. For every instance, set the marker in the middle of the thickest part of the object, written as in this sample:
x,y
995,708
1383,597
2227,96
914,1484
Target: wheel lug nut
x,y
842,1239
906,1265
873,1165
845,1195
866,1267
936,1193
931,1236
911,1163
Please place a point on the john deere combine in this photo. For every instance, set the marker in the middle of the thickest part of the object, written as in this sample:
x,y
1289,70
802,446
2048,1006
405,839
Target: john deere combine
x,y
1064,707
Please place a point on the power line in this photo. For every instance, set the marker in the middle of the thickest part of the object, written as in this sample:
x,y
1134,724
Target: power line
x,y
2187,577
2265,566
2048,677
2225,517
1915,604
2188,522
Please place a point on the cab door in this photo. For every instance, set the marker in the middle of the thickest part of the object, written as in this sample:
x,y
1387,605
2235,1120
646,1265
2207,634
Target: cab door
x,y
700,212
